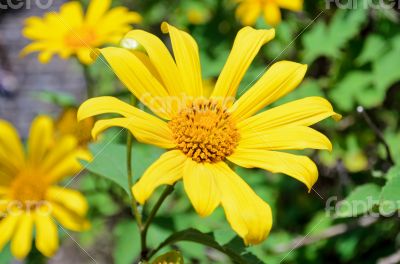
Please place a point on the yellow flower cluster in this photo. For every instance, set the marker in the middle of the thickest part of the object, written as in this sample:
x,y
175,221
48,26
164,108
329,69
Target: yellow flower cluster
x,y
204,126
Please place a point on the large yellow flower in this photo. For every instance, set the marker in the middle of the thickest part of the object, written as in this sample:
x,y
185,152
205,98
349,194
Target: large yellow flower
x,y
70,32
203,132
248,11
29,197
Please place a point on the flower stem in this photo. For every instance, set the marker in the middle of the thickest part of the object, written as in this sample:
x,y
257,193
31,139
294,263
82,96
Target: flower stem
x,y
143,235
89,81
134,206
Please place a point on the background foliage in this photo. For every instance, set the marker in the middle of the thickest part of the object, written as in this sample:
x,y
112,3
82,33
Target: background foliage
x,y
354,61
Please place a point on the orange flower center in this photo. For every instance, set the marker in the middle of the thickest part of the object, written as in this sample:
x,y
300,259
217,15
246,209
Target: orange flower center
x,y
205,132
28,189
81,37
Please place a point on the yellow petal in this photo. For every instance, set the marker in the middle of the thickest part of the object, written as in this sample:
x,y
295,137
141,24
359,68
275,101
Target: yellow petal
x,y
161,59
246,212
248,12
303,112
7,228
96,9
46,234
150,131
299,167
294,5
69,166
71,199
21,242
84,55
186,53
69,219
166,170
72,14
116,19
200,185
105,105
284,138
40,138
142,56
272,14
64,147
138,79
246,46
45,56
278,81
11,149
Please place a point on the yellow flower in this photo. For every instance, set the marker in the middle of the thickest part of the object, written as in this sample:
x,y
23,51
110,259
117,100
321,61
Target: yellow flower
x,y
248,11
70,32
29,196
197,16
203,132
67,124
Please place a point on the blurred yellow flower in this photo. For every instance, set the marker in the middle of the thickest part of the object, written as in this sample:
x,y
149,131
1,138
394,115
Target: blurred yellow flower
x,y
67,124
29,197
202,132
248,11
197,16
70,32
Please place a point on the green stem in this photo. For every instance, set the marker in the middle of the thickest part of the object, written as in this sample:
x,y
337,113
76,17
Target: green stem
x,y
89,81
143,235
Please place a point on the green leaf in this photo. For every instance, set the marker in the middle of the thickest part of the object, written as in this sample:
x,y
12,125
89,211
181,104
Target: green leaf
x,y
360,200
193,235
5,255
172,257
110,161
344,26
354,89
103,203
390,196
386,70
373,49
127,242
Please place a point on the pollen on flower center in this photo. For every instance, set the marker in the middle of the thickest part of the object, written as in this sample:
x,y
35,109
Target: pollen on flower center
x,y
28,189
82,37
204,131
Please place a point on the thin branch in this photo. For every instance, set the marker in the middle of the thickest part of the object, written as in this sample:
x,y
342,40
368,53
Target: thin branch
x,y
167,191
377,132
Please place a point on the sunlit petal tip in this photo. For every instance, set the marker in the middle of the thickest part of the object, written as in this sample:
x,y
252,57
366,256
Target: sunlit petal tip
x,y
82,111
141,199
165,27
337,117
97,129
